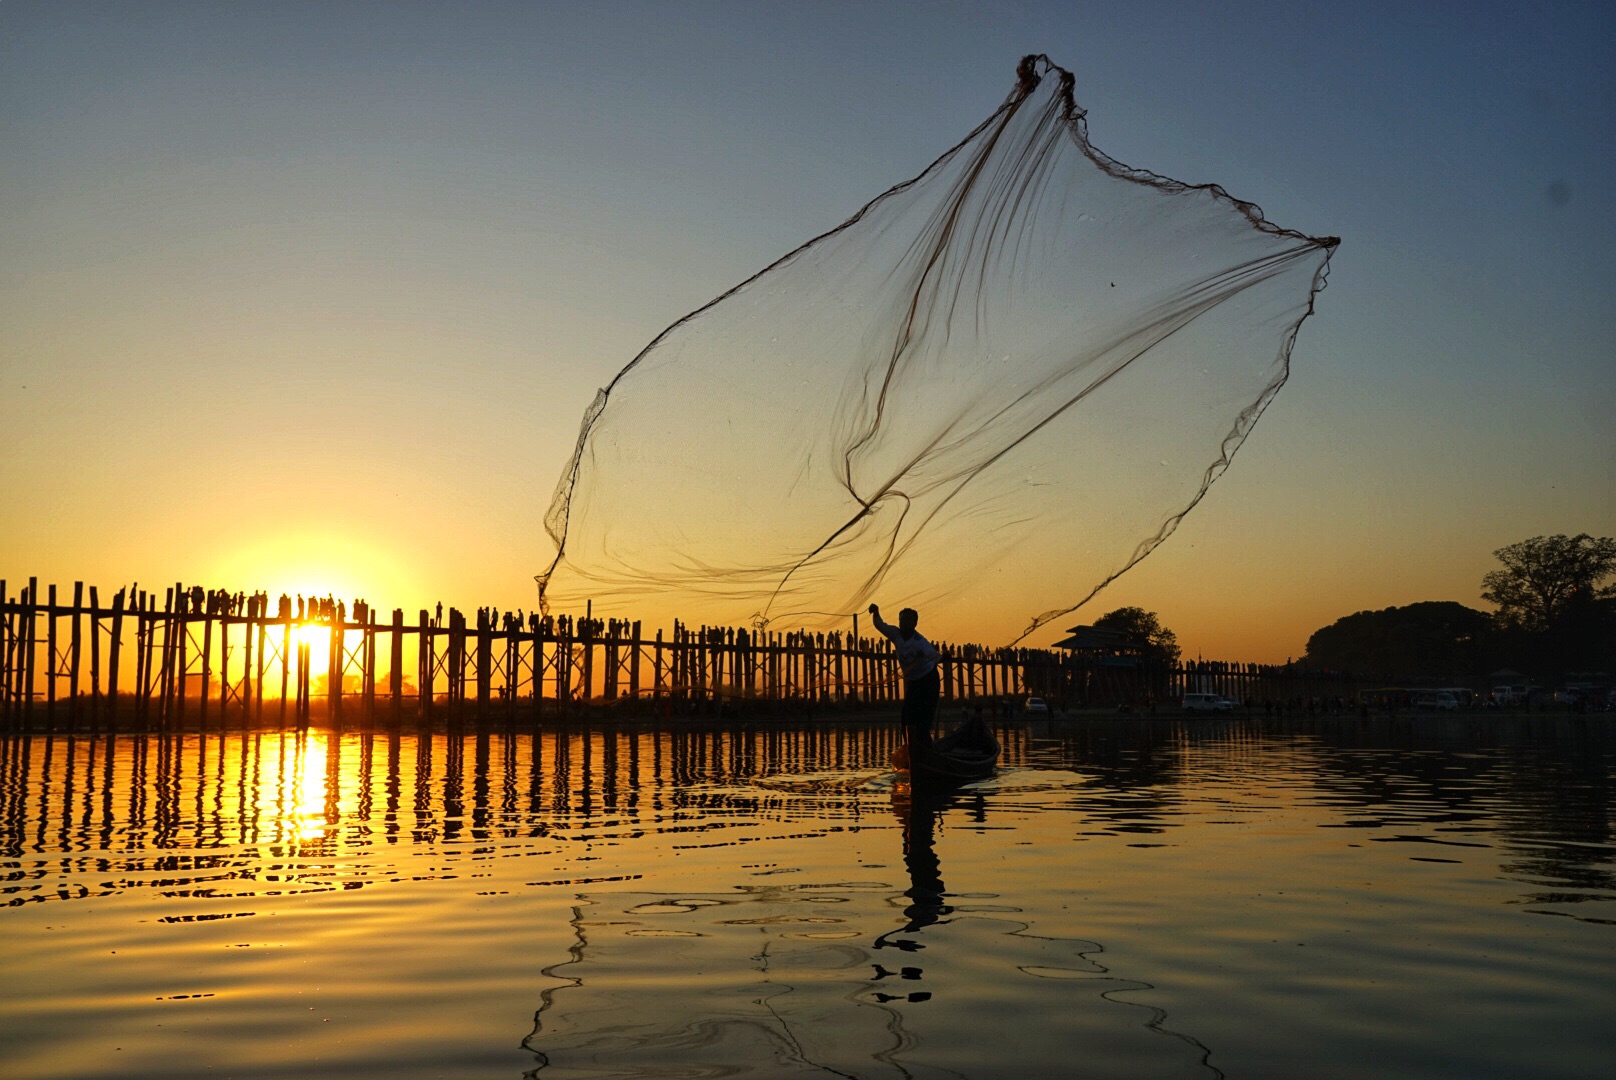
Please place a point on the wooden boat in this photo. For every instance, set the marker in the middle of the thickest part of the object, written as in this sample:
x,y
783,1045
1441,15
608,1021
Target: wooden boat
x,y
969,752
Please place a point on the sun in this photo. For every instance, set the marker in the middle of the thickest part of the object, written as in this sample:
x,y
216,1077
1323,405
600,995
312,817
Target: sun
x,y
317,636
317,563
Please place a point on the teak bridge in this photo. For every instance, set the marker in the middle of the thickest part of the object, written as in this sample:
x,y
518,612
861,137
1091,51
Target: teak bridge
x,y
210,657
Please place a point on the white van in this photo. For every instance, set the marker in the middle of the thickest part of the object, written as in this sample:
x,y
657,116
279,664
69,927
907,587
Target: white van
x,y
1207,703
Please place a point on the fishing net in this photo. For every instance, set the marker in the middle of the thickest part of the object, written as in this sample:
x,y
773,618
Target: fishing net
x,y
987,394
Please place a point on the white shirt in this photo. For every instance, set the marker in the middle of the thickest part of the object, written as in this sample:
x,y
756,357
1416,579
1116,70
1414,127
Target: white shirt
x,y
916,656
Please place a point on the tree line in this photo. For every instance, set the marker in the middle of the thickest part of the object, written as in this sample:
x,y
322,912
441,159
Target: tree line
x,y
1556,616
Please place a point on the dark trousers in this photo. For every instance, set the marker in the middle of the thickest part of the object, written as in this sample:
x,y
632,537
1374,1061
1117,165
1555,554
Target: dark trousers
x,y
920,707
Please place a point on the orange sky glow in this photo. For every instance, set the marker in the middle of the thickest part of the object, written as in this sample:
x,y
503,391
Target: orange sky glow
x,y
329,328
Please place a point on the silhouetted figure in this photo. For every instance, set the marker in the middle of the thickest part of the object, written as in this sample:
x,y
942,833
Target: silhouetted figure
x,y
921,684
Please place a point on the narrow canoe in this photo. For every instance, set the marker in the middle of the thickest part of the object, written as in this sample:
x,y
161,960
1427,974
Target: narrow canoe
x,y
969,753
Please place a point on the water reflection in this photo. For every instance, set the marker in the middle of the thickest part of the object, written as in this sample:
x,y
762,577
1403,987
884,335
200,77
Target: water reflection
x,y
224,801
759,979
754,900
206,809
917,808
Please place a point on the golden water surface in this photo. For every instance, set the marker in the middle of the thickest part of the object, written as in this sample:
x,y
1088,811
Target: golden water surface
x,y
1421,898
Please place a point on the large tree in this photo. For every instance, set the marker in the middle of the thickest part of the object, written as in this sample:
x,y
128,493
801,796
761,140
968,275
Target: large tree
x,y
1431,638
1160,644
1545,576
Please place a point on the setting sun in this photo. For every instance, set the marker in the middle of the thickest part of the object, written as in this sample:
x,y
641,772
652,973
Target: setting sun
x,y
316,636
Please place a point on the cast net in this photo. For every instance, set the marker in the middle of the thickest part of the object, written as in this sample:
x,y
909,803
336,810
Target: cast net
x,y
985,395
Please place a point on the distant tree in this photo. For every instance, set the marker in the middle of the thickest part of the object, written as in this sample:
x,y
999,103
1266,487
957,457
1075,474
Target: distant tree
x,y
1544,576
1432,638
1160,644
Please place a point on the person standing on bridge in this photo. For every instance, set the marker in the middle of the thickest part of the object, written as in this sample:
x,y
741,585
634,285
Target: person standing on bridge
x,y
921,683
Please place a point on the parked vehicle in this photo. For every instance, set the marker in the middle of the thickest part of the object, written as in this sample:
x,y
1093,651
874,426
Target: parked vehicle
x,y
1517,693
1584,695
1037,706
1207,703
1440,700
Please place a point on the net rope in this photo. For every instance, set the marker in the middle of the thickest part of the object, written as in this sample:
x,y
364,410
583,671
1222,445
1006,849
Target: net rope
x,y
987,394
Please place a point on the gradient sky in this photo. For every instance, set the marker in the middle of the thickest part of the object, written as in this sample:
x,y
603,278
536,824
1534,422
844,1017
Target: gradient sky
x,y
313,297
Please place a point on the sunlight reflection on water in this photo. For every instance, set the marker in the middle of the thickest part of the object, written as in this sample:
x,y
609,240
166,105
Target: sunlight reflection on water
x,y
1420,898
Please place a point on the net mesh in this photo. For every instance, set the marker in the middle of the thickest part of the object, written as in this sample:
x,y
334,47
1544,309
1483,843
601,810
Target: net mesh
x,y
985,395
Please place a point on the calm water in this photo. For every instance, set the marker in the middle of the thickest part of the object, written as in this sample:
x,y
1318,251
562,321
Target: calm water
x,y
1125,899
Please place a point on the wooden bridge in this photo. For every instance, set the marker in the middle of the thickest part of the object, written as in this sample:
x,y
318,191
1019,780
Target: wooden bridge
x,y
215,658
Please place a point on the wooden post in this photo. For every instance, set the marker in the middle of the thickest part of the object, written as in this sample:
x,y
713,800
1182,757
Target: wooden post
x,y
157,663
841,671
22,650
563,669
369,656
286,662
335,663
451,667
634,661
182,663
50,660
656,668
7,640
258,683
19,663
75,646
113,648
670,663
588,639
142,659
170,651
456,675
248,683
537,624
395,677
307,684
19,654
866,673
765,646
513,665
159,678
877,669
207,672
224,667
457,660
8,650
423,665
810,665
25,669
297,685
95,660
136,607
485,657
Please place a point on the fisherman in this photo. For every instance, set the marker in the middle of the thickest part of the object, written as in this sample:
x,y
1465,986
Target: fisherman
x,y
921,684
